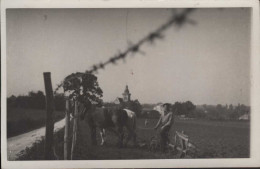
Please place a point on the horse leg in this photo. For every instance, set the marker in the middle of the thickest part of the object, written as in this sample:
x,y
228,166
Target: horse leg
x,y
93,136
92,128
134,138
131,126
103,135
120,136
131,135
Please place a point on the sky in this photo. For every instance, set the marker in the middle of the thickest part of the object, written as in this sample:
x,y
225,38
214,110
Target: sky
x,y
206,63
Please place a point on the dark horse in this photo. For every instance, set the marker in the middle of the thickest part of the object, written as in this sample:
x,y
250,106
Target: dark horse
x,y
109,118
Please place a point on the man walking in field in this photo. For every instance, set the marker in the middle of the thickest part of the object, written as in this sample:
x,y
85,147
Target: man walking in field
x,y
166,121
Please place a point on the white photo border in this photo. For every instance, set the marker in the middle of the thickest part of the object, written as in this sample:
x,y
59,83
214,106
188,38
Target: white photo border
x,y
253,161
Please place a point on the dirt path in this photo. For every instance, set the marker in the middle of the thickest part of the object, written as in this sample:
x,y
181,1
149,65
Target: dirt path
x,y
18,143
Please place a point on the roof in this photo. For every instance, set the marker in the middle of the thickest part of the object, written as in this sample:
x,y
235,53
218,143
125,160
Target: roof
x,y
245,116
119,99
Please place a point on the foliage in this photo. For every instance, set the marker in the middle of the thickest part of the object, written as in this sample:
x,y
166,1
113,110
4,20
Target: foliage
x,y
83,87
35,100
221,112
185,108
80,86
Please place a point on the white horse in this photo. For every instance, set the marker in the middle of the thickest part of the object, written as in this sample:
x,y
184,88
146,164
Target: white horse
x,y
130,126
160,109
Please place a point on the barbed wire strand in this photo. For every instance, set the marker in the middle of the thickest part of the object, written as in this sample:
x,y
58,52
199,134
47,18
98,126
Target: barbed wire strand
x,y
177,19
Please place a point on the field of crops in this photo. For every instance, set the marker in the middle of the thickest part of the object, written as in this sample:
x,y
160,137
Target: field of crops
x,y
226,139
215,139
20,120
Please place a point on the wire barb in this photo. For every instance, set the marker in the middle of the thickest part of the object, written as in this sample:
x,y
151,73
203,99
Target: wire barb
x,y
177,19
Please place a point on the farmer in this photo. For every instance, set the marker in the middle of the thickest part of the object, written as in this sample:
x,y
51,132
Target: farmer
x,y
166,121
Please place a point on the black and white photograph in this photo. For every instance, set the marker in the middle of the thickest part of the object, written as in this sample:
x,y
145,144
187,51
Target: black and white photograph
x,y
105,84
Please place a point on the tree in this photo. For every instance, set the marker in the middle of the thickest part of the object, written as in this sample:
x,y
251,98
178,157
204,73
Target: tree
x,y
177,106
36,100
230,107
189,106
11,101
83,87
219,107
185,108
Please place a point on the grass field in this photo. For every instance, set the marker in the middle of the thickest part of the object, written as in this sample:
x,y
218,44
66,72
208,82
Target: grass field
x,y
215,139
21,120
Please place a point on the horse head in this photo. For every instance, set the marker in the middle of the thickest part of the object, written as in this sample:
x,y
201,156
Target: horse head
x,y
159,108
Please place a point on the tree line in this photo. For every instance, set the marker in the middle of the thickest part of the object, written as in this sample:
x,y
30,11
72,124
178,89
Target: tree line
x,y
210,112
35,100
222,112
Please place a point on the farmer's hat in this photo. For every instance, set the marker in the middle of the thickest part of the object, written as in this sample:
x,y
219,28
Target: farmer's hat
x,y
167,105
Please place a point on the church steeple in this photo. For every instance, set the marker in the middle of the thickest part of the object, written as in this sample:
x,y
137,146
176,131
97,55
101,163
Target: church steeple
x,y
126,94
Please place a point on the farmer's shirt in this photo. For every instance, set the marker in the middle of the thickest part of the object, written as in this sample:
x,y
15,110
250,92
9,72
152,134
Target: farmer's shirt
x,y
167,119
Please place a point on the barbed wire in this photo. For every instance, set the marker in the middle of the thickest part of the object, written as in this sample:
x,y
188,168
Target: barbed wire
x,y
177,19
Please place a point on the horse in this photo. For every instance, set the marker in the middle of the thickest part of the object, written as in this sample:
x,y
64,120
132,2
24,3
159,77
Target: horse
x,y
131,126
109,119
160,109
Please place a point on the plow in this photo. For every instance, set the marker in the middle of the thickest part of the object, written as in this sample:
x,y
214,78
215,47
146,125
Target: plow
x,y
180,147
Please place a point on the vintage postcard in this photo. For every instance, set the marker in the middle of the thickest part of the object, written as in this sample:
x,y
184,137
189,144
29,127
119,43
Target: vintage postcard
x,y
137,84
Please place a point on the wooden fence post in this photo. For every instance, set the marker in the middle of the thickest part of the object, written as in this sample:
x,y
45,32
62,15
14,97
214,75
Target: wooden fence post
x,y
75,128
48,154
66,131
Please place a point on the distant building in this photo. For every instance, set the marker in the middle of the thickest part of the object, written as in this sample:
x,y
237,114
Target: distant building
x,y
128,103
244,117
182,116
118,100
126,97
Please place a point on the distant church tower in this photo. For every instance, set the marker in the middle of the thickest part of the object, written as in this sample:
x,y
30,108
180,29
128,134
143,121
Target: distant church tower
x,y
126,95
